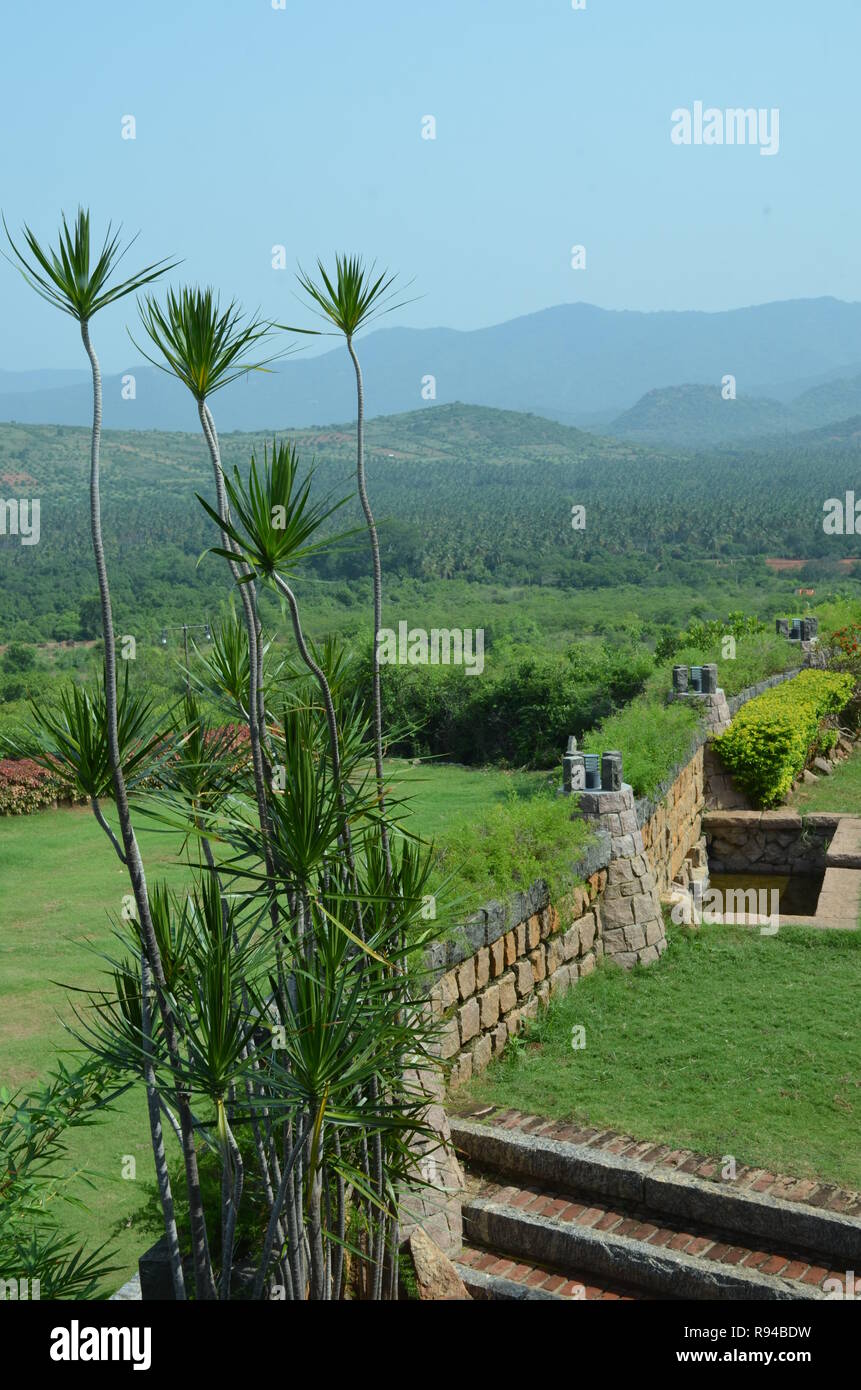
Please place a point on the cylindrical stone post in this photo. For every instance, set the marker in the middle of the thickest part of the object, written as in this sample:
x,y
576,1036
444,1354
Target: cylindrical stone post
x,y
573,773
611,771
680,680
781,627
710,679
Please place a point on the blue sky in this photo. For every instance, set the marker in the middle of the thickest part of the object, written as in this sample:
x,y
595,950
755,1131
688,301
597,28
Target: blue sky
x,y
302,127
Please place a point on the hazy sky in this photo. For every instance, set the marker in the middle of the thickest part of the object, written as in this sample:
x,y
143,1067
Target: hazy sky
x,y
302,127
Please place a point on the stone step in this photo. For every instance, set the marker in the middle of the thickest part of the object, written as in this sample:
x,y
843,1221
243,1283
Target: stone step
x,y
844,851
647,1185
617,1244
489,1275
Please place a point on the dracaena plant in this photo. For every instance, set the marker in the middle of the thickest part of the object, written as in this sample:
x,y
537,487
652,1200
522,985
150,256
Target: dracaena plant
x,y
348,299
206,347
81,279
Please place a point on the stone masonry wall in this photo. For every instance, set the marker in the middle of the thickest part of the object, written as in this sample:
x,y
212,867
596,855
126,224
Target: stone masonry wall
x,y
671,820
484,999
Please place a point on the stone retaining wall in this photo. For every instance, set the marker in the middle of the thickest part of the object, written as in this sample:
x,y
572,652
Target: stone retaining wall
x,y
767,842
671,820
483,999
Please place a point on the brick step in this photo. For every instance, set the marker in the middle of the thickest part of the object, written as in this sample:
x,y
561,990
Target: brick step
x,y
489,1275
614,1243
745,1214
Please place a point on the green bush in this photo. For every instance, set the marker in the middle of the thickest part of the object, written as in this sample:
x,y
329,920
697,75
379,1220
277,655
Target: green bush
x,y
773,736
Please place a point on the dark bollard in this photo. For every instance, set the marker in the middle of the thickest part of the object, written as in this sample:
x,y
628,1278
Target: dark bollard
x,y
611,771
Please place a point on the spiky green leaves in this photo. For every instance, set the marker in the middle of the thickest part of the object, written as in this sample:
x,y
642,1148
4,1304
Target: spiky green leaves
x,y
273,520
71,739
351,297
205,346
66,278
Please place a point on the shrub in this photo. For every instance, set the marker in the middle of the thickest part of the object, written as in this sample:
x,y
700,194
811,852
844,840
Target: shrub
x,y
773,736
25,787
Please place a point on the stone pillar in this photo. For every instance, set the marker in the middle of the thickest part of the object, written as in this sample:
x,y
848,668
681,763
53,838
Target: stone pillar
x,y
631,908
680,680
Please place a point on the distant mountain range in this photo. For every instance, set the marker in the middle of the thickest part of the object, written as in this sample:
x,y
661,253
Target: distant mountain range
x,y
796,365
694,416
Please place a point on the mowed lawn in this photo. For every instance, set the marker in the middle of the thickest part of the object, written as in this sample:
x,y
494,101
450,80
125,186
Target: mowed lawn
x,y
839,792
61,889
733,1043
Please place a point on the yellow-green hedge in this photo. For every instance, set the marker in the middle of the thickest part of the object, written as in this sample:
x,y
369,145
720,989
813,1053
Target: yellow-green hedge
x,y
772,737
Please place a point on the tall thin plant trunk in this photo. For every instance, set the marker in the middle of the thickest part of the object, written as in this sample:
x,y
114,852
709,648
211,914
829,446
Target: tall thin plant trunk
x,y
378,602
204,1280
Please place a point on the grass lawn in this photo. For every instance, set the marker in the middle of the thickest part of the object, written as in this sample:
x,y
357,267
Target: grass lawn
x,y
839,792
733,1044
60,885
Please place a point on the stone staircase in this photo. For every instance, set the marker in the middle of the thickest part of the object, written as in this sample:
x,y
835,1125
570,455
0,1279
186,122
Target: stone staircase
x,y
551,1211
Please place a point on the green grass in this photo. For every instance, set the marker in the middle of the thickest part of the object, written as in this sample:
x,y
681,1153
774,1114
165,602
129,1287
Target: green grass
x,y
732,1044
839,792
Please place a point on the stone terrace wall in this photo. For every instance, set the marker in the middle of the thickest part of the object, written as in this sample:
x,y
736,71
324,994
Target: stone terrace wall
x,y
512,958
671,820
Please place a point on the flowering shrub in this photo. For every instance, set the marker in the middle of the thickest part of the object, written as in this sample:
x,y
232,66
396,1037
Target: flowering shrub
x,y
772,737
25,787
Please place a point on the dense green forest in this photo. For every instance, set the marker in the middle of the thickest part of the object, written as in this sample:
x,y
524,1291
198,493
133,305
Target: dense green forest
x,y
476,496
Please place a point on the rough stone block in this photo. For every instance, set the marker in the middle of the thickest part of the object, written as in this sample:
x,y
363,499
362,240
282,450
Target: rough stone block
x,y
533,931
497,958
635,938
482,967
469,1019
537,960
462,1070
648,955
588,928
482,1051
466,978
614,941
489,1002
499,1038
449,1039
507,991
586,965
560,980
645,909
617,914
654,932
524,977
